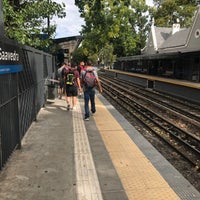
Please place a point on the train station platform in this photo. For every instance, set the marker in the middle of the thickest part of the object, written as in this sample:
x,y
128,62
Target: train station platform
x,y
64,157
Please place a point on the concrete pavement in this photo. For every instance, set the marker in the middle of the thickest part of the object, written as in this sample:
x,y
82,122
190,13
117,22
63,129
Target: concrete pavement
x,y
44,167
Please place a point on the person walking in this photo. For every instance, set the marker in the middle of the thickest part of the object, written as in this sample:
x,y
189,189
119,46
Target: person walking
x,y
72,85
80,67
89,80
61,74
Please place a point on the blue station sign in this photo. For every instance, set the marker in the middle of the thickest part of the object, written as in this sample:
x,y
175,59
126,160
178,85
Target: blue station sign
x,y
10,59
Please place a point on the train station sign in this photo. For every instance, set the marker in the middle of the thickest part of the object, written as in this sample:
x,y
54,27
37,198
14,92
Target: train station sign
x,y
10,58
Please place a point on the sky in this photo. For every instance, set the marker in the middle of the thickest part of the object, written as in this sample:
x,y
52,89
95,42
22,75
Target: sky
x,y
71,24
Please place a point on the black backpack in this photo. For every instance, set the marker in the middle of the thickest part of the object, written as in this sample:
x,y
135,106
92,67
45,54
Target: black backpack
x,y
70,78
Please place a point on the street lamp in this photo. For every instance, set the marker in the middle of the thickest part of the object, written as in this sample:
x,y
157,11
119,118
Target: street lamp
x,y
1,19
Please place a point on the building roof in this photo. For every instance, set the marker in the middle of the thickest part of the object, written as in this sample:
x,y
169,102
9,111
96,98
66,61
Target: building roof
x,y
66,39
162,34
175,39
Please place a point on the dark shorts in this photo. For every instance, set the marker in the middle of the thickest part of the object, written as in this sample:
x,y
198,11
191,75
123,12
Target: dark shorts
x,y
71,91
61,84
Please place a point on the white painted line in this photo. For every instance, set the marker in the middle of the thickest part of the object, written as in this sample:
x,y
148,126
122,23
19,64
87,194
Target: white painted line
x,y
87,184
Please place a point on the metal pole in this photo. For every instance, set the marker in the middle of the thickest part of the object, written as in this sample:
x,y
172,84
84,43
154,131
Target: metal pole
x,y
48,22
1,19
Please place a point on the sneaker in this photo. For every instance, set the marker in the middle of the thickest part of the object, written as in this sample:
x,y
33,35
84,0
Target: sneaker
x,y
68,107
87,119
73,108
80,95
92,113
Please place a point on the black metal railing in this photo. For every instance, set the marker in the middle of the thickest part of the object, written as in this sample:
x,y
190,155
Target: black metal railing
x,y
22,95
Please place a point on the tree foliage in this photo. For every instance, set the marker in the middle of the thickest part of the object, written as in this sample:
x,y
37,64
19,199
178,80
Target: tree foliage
x,y
28,22
167,12
120,24
124,24
78,56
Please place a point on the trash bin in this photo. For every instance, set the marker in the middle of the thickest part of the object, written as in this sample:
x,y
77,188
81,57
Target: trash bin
x,y
51,91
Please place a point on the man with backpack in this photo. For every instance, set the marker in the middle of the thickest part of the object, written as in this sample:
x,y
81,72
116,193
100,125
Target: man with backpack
x,y
72,85
89,80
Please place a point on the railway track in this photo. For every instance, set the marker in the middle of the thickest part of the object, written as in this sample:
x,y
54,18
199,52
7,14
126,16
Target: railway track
x,y
174,122
184,114
183,107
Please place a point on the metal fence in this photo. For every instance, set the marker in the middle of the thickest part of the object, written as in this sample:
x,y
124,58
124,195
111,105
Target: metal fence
x,y
22,95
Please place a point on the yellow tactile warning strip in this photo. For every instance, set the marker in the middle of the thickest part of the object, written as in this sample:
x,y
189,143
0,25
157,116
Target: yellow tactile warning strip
x,y
139,178
167,80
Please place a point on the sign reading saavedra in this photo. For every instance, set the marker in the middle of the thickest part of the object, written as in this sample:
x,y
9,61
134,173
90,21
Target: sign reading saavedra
x,y
10,59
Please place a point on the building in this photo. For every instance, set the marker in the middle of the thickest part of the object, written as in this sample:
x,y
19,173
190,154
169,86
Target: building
x,y
67,46
176,39
170,52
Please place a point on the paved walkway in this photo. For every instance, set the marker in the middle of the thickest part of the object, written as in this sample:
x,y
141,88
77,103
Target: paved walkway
x,y
44,167
57,159
62,155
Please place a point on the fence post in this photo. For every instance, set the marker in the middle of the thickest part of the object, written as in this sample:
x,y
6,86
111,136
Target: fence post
x,y
1,19
1,154
19,135
1,34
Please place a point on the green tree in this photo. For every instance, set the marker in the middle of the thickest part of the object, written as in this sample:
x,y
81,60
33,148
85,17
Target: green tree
x,y
78,56
167,12
122,24
134,26
106,56
28,22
